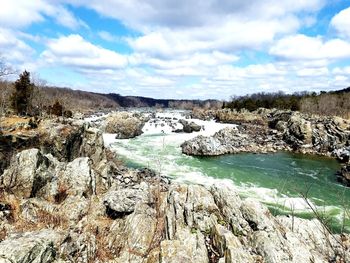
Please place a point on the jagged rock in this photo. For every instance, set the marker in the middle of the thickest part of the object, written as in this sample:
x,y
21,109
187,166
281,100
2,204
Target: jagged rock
x,y
299,131
92,145
137,236
312,134
78,177
281,126
190,249
257,215
343,175
38,247
230,204
28,173
289,131
124,124
33,174
123,201
342,154
202,145
229,246
61,140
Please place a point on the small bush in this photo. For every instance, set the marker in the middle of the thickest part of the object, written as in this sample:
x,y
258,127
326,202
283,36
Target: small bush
x,y
57,108
68,114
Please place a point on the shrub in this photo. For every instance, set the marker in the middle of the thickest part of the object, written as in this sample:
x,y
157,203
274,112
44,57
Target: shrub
x,y
68,114
57,108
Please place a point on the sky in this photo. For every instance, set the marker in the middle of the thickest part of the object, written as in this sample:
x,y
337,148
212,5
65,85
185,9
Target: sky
x,y
183,49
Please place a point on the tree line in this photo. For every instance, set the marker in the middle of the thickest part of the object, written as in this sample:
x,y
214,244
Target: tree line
x,y
323,103
23,97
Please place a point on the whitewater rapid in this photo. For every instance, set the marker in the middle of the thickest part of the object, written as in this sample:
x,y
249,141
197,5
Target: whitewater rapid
x,y
159,148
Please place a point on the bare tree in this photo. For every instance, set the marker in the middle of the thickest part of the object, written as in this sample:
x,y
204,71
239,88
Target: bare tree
x,y
5,69
39,97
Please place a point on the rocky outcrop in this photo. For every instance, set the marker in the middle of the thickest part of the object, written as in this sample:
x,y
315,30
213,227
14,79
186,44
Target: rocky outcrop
x,y
276,130
313,134
155,220
125,125
233,140
92,209
41,247
66,140
33,174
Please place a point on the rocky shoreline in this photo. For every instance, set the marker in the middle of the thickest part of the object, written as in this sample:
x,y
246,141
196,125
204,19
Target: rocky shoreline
x,y
269,131
69,199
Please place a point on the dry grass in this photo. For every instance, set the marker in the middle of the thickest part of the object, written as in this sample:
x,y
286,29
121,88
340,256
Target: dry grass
x,y
44,220
105,249
3,234
13,120
14,204
62,193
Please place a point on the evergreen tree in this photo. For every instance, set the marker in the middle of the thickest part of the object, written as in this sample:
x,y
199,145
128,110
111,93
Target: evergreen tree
x,y
57,108
22,95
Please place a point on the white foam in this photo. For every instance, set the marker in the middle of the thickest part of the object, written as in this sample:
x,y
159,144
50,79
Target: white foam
x,y
161,151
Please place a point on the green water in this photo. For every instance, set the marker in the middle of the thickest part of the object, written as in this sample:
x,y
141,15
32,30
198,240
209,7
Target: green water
x,y
282,180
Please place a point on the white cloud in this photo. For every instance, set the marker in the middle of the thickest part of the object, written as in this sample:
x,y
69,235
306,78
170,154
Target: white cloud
x,y
65,18
12,48
230,36
302,47
192,13
341,22
76,52
22,13
184,48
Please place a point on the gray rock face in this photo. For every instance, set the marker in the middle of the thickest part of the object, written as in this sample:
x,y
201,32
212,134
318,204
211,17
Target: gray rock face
x,y
33,174
36,247
312,134
342,154
28,173
123,201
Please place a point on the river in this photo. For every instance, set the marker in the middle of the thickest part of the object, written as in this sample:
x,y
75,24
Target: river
x,y
287,183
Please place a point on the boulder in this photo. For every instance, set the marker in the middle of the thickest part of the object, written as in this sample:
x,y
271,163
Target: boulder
x,y
125,125
123,201
189,127
299,130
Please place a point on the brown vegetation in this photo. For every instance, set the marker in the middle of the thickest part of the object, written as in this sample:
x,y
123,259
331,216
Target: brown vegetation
x,y
327,104
333,103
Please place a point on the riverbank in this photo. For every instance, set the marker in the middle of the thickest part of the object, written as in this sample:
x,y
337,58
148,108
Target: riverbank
x,y
266,131
86,206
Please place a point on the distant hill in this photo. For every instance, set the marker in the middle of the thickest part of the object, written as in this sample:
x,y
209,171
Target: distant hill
x,y
347,90
136,101
78,100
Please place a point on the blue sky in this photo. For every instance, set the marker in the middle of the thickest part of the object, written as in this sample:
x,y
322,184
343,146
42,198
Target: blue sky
x,y
180,49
